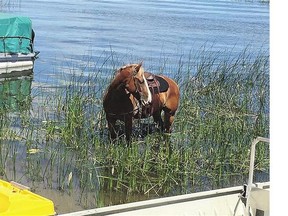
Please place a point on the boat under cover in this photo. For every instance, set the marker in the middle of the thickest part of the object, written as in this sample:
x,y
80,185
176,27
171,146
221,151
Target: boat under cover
x,y
16,43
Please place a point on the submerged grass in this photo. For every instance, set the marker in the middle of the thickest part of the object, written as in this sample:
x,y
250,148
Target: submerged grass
x,y
224,105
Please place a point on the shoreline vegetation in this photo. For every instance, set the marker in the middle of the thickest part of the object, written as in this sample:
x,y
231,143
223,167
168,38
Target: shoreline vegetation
x,y
58,139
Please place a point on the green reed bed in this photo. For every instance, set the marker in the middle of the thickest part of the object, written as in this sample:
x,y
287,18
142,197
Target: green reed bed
x,y
63,137
225,107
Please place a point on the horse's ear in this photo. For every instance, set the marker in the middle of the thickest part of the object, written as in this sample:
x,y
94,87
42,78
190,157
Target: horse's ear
x,y
137,68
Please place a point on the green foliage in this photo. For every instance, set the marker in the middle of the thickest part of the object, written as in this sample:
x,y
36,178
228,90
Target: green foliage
x,y
224,106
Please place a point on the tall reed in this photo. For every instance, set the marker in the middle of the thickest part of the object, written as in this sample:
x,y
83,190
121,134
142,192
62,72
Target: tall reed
x,y
224,105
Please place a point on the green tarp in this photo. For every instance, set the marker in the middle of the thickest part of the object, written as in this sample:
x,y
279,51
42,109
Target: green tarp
x,y
15,34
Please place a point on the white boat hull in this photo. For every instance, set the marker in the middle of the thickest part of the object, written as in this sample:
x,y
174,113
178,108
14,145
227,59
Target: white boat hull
x,y
16,62
227,201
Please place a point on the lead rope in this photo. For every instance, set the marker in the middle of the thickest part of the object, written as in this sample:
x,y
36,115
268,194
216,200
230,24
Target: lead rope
x,y
139,109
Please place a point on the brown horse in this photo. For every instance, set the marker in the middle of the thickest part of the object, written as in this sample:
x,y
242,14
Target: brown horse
x,y
128,96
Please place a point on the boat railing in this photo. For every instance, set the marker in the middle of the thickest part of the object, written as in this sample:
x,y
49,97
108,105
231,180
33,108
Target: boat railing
x,y
21,38
250,185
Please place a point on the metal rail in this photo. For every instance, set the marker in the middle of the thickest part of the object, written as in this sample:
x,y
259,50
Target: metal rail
x,y
20,38
251,170
14,37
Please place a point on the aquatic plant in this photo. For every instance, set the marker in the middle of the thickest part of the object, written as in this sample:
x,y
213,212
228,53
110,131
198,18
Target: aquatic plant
x,y
63,138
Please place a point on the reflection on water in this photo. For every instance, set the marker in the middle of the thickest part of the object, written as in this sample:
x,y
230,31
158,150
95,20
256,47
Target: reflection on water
x,y
15,91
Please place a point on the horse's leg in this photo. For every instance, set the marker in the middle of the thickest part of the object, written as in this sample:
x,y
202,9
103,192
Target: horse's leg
x,y
157,119
128,128
111,127
171,105
168,120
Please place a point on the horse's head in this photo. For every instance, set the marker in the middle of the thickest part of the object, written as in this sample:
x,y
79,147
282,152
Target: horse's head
x,y
135,82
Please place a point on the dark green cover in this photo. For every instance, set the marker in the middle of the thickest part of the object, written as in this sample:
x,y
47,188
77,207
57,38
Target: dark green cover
x,y
15,34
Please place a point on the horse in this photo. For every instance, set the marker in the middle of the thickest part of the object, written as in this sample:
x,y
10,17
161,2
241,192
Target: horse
x,y
130,96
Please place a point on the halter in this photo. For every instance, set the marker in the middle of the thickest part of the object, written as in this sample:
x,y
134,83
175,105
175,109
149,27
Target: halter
x,y
138,107
136,94
132,76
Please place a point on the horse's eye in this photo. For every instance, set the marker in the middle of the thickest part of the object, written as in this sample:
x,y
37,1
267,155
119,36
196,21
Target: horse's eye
x,y
141,82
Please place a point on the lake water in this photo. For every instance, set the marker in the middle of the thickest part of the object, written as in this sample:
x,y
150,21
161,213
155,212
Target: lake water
x,y
81,35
